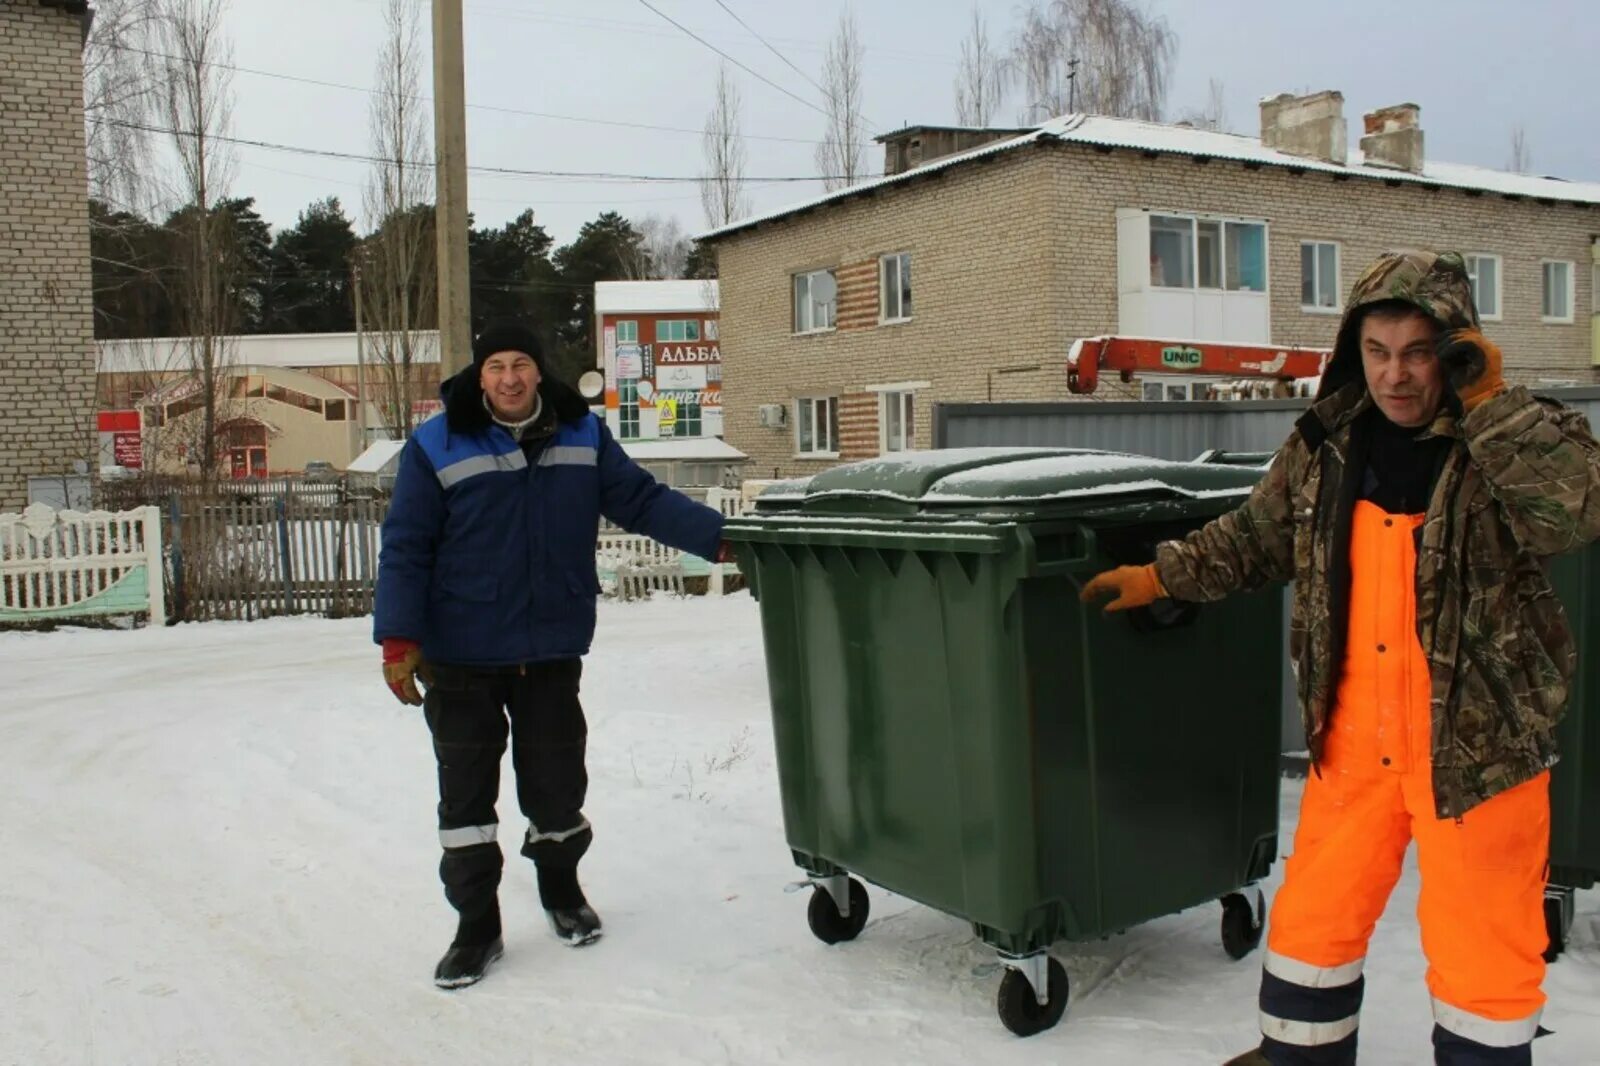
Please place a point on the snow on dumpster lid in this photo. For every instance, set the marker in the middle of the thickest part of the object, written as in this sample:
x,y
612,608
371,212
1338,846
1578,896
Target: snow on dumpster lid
x,y
965,477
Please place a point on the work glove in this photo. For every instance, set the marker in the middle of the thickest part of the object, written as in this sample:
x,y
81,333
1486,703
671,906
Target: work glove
x,y
402,666
1472,366
724,553
1135,586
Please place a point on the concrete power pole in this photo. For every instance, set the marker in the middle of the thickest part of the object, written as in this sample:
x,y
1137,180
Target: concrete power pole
x,y
450,144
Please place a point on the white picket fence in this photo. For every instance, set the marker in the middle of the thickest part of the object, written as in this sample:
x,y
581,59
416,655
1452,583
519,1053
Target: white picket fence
x,y
64,565
632,566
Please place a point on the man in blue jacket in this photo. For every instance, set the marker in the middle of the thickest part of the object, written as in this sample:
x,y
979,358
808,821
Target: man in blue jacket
x,y
486,592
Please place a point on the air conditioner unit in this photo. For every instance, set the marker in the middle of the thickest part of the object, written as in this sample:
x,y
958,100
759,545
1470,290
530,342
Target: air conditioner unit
x,y
772,415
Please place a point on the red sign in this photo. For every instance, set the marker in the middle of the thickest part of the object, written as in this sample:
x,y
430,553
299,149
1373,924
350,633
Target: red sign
x,y
128,450
118,421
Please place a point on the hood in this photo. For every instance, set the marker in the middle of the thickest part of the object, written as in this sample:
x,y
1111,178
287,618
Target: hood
x,y
465,412
1435,283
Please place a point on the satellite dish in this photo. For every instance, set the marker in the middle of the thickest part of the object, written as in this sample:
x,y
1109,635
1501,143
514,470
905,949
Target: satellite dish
x,y
592,385
646,390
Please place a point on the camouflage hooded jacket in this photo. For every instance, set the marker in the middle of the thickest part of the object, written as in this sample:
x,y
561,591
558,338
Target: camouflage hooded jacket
x,y
1521,482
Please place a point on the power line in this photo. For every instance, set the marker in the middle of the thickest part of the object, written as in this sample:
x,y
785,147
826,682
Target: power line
x,y
493,108
546,175
781,56
735,62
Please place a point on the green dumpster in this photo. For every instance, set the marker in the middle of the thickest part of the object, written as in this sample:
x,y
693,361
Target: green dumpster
x,y
953,725
1575,781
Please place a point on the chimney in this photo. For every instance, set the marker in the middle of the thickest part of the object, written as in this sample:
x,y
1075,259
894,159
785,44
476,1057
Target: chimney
x,y
1393,138
1311,126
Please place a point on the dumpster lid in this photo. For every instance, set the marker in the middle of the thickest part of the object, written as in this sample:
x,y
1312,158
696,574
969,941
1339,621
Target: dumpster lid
x,y
990,480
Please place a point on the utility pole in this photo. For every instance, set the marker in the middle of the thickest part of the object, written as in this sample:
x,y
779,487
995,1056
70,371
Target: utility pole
x,y
361,358
1072,86
450,144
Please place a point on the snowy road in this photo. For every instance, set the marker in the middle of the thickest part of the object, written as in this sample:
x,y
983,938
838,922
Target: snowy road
x,y
218,848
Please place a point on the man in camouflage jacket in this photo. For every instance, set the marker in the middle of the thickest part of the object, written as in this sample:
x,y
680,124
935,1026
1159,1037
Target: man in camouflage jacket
x,y
1416,461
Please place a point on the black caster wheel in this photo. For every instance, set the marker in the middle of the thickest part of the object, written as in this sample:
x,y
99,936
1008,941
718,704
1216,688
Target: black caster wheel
x,y
1021,1011
827,924
1553,928
1241,925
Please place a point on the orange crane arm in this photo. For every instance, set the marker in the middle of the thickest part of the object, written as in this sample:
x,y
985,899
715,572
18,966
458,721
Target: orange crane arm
x,y
1132,355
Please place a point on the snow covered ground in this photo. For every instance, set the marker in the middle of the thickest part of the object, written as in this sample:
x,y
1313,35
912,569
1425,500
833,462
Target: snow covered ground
x,y
218,847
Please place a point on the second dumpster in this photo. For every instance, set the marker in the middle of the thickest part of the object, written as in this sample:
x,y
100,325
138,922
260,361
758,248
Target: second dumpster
x,y
953,725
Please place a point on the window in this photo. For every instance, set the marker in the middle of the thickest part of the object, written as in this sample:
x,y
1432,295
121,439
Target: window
x,y
1207,253
898,421
690,423
333,411
816,301
1160,390
894,276
677,330
1319,276
1484,273
1171,252
1558,291
816,426
628,332
628,409
1245,252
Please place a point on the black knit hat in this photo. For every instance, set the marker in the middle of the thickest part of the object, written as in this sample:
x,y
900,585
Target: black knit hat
x,y
507,335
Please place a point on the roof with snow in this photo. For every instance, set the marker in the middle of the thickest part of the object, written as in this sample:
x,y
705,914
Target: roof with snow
x,y
706,449
1098,130
378,455
289,350
655,297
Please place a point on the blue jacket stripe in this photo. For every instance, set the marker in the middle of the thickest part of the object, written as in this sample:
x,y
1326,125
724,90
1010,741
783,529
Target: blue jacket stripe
x,y
461,469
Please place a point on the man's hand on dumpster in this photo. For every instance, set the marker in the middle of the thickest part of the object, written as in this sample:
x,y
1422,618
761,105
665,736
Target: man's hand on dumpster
x,y
724,553
1134,586
1472,364
402,665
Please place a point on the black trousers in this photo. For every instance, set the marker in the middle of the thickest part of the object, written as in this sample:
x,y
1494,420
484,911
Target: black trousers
x,y
471,711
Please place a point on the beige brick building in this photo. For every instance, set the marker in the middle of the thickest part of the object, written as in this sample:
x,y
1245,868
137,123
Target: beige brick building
x,y
46,320
966,278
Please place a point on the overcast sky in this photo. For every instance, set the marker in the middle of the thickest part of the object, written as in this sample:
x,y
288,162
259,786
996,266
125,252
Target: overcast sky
x,y
1475,67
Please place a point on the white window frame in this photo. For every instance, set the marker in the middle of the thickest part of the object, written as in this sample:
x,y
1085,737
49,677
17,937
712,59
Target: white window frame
x,y
628,415
902,294
1571,294
1173,381
632,331
828,423
905,401
1316,280
1472,259
1222,223
795,302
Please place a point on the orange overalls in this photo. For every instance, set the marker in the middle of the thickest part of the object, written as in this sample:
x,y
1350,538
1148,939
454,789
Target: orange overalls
x,y
1483,874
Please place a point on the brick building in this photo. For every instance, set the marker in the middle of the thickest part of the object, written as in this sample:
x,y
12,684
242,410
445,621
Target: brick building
x,y
657,343
966,278
46,317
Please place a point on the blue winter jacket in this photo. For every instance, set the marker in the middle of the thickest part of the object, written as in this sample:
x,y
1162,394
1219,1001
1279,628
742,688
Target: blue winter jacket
x,y
488,554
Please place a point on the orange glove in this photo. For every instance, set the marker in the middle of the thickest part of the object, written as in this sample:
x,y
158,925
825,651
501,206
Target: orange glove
x,y
1472,365
402,665
1135,586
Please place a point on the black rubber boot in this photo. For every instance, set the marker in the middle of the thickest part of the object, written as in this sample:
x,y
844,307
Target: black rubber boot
x,y
476,946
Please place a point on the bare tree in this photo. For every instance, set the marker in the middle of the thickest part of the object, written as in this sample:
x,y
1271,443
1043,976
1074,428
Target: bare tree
x,y
1214,115
662,251
399,275
839,154
981,80
1521,160
121,90
722,181
197,98
1103,57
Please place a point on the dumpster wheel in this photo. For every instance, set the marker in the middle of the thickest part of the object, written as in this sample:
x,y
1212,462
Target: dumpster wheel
x,y
1242,922
827,924
1558,908
1019,1006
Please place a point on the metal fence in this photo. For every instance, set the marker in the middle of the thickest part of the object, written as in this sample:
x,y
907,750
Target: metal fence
x,y
1176,430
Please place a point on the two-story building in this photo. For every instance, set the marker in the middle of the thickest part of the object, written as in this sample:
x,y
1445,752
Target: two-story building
x,y
966,277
